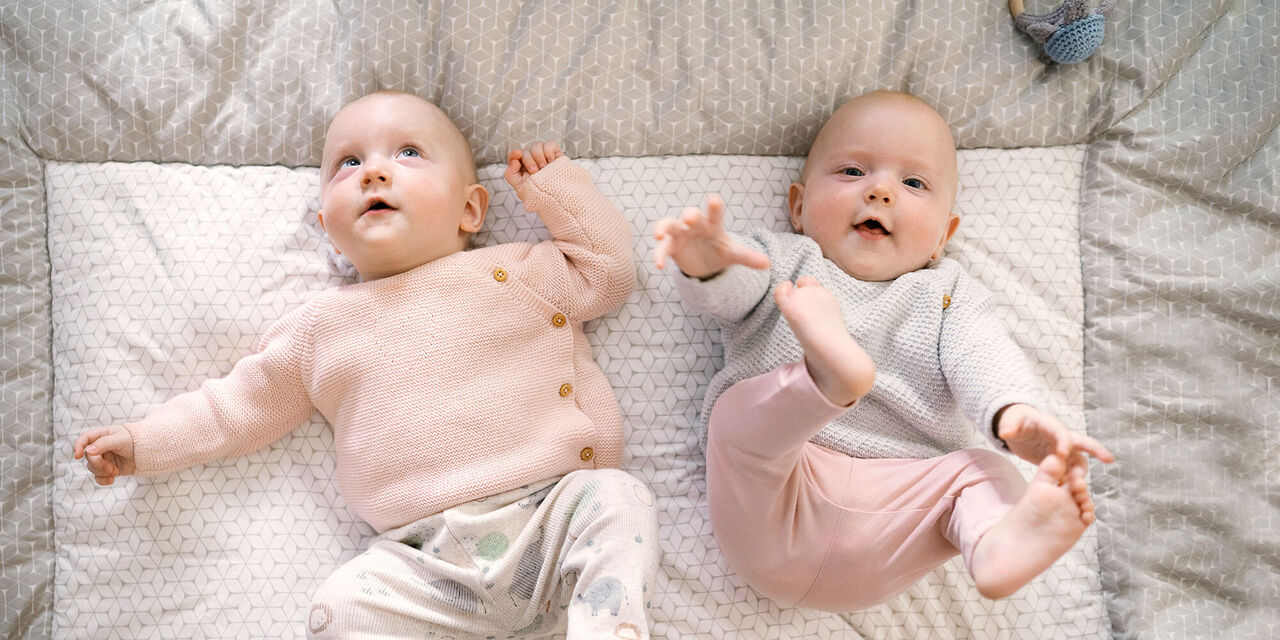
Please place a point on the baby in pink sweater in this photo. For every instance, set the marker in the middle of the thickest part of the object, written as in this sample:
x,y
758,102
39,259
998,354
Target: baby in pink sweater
x,y
472,428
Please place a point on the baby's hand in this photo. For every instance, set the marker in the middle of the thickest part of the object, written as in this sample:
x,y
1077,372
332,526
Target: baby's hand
x,y
1033,434
523,163
699,245
108,452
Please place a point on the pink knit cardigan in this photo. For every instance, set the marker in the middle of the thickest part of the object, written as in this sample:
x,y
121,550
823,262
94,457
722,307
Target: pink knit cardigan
x,y
462,378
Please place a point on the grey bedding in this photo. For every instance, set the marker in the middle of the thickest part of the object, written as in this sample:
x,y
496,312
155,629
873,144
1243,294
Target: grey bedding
x,y
1181,252
1179,222
26,385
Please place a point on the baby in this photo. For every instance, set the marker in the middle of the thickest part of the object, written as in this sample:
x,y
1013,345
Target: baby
x,y
886,348
472,428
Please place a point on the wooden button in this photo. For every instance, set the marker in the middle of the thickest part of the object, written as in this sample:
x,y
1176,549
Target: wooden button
x,y
565,389
946,301
559,319
587,454
500,274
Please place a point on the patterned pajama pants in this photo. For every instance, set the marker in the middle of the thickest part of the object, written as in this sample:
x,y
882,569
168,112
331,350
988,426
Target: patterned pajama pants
x,y
576,554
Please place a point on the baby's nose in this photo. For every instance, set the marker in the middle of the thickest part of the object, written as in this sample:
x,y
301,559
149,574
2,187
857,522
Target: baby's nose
x,y
881,195
375,173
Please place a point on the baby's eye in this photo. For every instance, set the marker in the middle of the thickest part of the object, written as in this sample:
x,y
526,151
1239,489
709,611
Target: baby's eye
x,y
348,163
852,171
410,153
914,183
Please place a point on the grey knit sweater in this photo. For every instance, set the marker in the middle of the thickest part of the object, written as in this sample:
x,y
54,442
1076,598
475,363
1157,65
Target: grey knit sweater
x,y
938,371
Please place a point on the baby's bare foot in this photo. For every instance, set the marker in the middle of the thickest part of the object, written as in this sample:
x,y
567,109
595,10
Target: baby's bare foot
x,y
837,363
1043,525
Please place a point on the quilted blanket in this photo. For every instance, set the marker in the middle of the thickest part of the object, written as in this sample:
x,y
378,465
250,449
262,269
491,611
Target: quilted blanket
x,y
156,212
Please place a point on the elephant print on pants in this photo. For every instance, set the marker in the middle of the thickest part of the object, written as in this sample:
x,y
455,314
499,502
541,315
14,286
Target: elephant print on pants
x,y
604,593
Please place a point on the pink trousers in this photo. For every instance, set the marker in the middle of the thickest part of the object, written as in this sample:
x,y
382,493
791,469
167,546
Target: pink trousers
x,y
810,527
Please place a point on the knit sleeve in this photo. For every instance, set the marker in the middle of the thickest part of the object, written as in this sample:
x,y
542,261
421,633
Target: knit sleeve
x,y
588,268
262,399
729,296
984,367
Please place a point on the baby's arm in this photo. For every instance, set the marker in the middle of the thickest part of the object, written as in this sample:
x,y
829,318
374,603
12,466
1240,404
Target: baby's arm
x,y
699,245
1032,434
587,269
261,399
720,275
992,381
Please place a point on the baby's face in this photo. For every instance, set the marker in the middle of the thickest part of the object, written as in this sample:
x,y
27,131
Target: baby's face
x,y
878,187
397,190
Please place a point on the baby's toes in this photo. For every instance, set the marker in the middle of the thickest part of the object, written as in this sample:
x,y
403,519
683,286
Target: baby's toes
x,y
1083,499
1081,495
783,296
1088,511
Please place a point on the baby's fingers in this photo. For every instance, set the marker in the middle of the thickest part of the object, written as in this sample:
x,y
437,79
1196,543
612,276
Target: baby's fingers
x,y
1094,448
660,254
665,232
539,157
87,438
740,254
692,216
671,229
77,449
101,468
715,209
513,165
115,439
546,153
530,163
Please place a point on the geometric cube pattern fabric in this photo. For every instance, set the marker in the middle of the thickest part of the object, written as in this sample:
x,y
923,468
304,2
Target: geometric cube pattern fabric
x,y
255,83
165,274
1181,240
26,388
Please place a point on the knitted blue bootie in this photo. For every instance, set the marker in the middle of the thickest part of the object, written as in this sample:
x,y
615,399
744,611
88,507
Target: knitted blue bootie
x,y
1070,33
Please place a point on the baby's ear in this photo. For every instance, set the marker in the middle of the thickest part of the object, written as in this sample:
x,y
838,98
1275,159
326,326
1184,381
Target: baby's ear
x,y
795,198
474,209
953,223
320,217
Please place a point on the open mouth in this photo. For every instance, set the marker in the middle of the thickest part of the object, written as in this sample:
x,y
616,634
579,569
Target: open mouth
x,y
377,205
871,226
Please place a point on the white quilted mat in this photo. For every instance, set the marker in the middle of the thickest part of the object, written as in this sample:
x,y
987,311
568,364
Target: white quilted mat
x,y
164,275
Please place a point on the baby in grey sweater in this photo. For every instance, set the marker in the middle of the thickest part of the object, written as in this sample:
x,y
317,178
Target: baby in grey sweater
x,y
835,433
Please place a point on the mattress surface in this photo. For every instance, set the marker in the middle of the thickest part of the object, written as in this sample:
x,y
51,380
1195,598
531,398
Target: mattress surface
x,y
165,275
